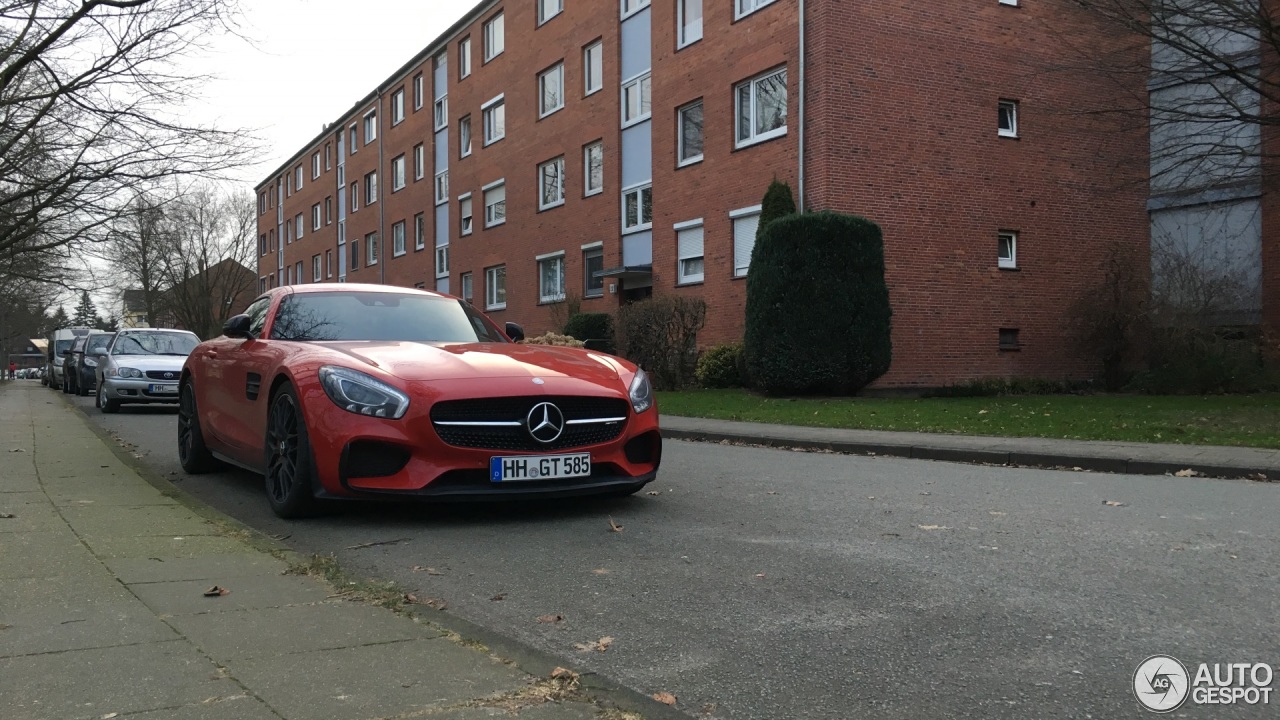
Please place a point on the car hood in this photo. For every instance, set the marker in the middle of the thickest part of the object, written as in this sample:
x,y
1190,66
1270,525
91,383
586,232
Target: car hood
x,y
149,362
421,361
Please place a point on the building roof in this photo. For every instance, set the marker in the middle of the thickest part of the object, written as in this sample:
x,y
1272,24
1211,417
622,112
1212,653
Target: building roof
x,y
134,301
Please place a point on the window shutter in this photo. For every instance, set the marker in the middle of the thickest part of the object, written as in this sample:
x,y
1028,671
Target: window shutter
x,y
689,243
744,241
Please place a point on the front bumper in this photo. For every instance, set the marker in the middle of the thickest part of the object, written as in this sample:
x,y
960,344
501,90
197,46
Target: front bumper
x,y
135,391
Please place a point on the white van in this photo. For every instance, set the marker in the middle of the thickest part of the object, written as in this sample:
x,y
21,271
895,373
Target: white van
x,y
59,342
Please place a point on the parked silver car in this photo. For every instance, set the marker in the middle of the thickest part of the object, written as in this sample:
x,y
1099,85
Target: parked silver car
x,y
142,366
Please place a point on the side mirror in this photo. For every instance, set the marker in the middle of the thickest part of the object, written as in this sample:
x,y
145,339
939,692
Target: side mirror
x,y
515,332
237,326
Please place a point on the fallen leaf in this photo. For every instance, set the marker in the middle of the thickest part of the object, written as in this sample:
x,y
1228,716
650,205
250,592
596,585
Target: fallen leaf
x,y
216,591
613,525
655,493
982,412
997,513
410,598
4,627
1077,468
7,516
665,698
108,716
17,450
499,596
760,576
926,493
1187,473
600,571
435,603
1258,476
427,570
1113,503
560,672
773,492
933,527
708,709
600,645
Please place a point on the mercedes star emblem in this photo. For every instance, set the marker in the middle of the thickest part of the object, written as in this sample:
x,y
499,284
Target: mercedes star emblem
x,y
545,422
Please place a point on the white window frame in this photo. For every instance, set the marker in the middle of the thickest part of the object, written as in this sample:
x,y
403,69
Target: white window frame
x,y
1010,262
464,57
491,274
498,184
692,278
371,249
544,15
684,39
315,217
627,8
1011,3
355,197
297,227
315,165
558,71
682,161
370,188
328,264
593,68
485,111
639,82
370,126
316,267
419,90
1012,106
558,259
442,187
397,239
464,136
419,161
328,153
466,286
297,172
397,107
442,261
587,190
753,83
466,216
743,8
494,39
595,248
440,112
353,143
558,165
419,232
397,173
638,191
735,215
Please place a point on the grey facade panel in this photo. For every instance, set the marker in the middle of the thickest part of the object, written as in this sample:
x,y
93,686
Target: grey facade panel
x,y
1197,140
1210,256
637,154
442,150
635,41
442,224
637,249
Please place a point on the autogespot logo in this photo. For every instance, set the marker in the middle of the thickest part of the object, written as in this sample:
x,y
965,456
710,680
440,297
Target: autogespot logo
x,y
1161,684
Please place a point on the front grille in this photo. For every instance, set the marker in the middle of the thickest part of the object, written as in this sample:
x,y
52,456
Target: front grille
x,y
517,409
160,374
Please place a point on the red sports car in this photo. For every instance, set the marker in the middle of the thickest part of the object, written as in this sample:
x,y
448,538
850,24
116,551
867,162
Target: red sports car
x,y
368,391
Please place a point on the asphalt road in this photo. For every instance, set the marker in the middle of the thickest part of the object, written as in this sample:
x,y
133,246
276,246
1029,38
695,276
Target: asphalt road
x,y
766,584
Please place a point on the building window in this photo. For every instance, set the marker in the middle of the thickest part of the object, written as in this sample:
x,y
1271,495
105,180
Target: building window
x,y
371,188
315,165
419,160
1007,243
762,108
328,210
355,197
288,232
593,67
262,203
464,136
1008,126
465,281
417,92
442,65
464,57
1013,3
442,261
551,184
593,169
1009,339
631,7
328,153
494,38
495,120
637,208
297,273
315,217
689,130
397,107
464,211
315,268
371,249
328,264
352,135
288,186
495,204
551,278
745,223
355,254
746,7
635,100
442,187
495,288
592,263
442,112
297,172
419,232
297,226
688,21
397,173
397,239
370,126
689,252
548,9
551,90
262,245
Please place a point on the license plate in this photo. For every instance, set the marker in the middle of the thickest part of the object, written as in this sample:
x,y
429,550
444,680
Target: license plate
x,y
539,467
163,389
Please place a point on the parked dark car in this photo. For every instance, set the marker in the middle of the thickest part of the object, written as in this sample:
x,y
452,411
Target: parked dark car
x,y
81,366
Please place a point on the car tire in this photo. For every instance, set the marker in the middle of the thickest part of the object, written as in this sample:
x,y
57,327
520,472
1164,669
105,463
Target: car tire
x,y
81,390
193,454
289,465
105,405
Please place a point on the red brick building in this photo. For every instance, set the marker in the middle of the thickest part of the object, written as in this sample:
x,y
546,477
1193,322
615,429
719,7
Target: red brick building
x,y
612,149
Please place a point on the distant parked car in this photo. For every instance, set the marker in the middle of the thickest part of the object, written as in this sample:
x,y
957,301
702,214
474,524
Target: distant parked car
x,y
80,369
142,366
59,343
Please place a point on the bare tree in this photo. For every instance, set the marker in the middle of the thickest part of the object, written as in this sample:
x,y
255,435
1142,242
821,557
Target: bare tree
x,y
212,238
91,100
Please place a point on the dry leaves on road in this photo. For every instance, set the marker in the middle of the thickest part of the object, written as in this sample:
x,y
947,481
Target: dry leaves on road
x,y
665,698
560,672
615,527
427,570
759,576
1257,476
600,571
435,603
499,596
216,591
7,516
600,645
1113,503
655,493
1187,473
551,618
933,527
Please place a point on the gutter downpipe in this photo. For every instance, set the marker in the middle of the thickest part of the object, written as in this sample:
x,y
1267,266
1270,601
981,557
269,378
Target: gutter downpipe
x,y
801,113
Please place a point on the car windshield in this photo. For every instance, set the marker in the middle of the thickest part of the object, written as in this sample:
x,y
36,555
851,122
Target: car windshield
x,y
155,343
97,344
380,316
61,346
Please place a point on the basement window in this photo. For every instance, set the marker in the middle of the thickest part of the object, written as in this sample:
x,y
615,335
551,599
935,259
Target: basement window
x,y
1009,339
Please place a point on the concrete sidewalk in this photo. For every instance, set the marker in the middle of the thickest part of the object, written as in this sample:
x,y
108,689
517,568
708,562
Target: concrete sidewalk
x,y
1135,458
103,612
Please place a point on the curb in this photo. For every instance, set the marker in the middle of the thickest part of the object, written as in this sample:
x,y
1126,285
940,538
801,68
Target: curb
x,y
981,457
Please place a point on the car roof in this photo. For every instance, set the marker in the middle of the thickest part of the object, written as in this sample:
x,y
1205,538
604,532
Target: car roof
x,y
358,287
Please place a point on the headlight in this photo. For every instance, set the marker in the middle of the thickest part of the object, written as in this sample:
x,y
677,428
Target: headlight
x,y
126,372
362,394
90,362
641,392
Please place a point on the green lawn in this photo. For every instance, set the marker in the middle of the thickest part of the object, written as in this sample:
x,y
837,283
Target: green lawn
x,y
1247,420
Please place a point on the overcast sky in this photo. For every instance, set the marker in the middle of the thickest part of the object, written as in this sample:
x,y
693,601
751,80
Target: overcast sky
x,y
310,60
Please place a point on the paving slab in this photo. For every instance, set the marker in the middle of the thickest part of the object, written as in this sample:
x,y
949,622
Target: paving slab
x,y
245,563
44,554
247,593
165,546
544,711
135,521
242,707
376,681
109,495
31,517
